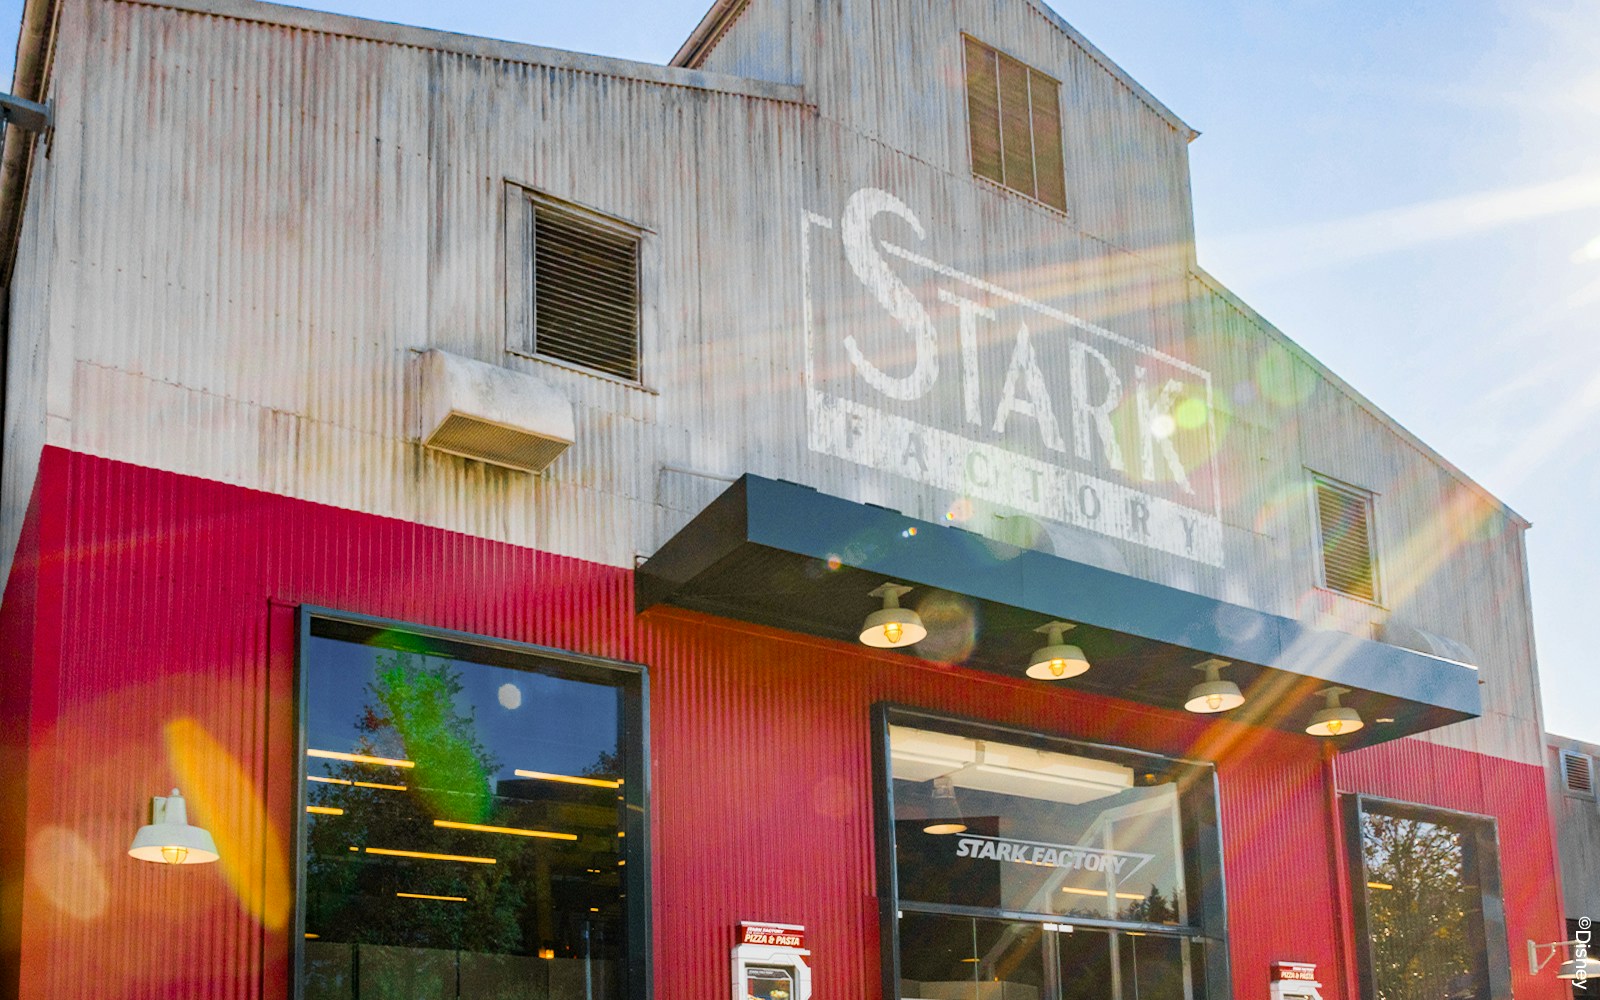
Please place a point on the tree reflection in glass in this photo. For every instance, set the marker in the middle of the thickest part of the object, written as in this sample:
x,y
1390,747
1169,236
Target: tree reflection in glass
x,y
1424,909
455,847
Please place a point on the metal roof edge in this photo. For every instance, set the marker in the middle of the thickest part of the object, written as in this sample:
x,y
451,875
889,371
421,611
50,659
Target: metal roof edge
x,y
1399,430
707,32
481,47
29,80
1110,66
723,13
1558,742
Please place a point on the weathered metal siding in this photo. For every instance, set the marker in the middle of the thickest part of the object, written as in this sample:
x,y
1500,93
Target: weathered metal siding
x,y
891,70
1450,559
1577,828
265,222
172,657
27,354
267,213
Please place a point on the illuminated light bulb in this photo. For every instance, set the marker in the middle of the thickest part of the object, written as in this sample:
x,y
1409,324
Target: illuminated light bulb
x,y
892,626
1058,659
172,854
1213,694
1334,719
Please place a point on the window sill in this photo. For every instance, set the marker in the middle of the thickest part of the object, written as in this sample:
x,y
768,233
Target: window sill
x,y
578,369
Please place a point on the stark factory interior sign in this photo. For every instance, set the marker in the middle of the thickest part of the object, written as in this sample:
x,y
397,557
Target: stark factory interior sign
x,y
954,380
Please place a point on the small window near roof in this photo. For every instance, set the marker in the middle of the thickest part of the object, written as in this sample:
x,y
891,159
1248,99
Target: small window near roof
x,y
574,279
1577,774
1344,530
1014,120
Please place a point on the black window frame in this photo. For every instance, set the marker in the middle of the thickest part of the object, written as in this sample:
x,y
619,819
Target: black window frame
x,y
1486,836
1208,899
631,679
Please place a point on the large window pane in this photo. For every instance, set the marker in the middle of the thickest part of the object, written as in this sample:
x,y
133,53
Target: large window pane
x,y
465,822
963,958
1424,906
1049,871
982,823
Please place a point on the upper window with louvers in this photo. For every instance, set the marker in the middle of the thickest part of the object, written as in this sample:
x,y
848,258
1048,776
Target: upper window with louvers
x,y
1014,120
1577,774
585,295
1344,526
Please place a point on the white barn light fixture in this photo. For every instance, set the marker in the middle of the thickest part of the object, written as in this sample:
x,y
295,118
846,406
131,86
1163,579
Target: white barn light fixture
x,y
1058,659
169,839
1581,966
1334,719
892,626
1213,694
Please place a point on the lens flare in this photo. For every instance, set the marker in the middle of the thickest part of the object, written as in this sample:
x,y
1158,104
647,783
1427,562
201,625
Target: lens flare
x,y
224,798
66,871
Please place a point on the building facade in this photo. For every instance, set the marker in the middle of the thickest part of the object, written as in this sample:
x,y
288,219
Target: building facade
x,y
795,519
1576,815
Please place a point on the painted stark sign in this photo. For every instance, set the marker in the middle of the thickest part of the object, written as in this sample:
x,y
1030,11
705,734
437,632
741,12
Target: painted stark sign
x,y
917,368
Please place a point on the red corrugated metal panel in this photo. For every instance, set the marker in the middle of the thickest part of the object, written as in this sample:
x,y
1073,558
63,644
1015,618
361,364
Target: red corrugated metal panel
x,y
173,655
1511,792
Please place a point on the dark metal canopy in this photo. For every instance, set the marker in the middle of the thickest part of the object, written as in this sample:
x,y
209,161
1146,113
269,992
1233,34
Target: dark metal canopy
x,y
787,556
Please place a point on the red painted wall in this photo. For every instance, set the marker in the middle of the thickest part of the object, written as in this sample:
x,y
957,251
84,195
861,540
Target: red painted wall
x,y
170,658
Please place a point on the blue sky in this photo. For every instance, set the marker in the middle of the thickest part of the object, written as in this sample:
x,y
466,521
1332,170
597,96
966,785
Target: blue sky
x,y
1410,191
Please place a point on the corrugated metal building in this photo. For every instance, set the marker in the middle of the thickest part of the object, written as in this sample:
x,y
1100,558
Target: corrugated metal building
x,y
1573,793
471,473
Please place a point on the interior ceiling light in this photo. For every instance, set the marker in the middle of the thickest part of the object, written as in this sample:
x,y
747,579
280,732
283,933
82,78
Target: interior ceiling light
x,y
1334,719
893,626
169,839
1058,660
1213,694
946,810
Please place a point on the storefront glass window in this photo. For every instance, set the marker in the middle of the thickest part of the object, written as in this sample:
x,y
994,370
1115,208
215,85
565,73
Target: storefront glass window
x,y
1092,867
465,824
1425,892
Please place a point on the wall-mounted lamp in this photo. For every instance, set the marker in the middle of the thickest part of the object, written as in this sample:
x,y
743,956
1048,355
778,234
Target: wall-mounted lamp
x,y
1334,719
169,839
1059,659
945,815
1580,966
893,626
1213,694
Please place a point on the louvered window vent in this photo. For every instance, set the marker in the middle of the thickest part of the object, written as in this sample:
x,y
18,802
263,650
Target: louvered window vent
x,y
491,414
1344,525
1577,773
585,290
1014,123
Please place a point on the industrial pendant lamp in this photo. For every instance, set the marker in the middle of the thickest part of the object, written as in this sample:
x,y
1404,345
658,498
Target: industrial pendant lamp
x,y
1213,694
893,626
1334,719
1059,659
946,810
169,839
